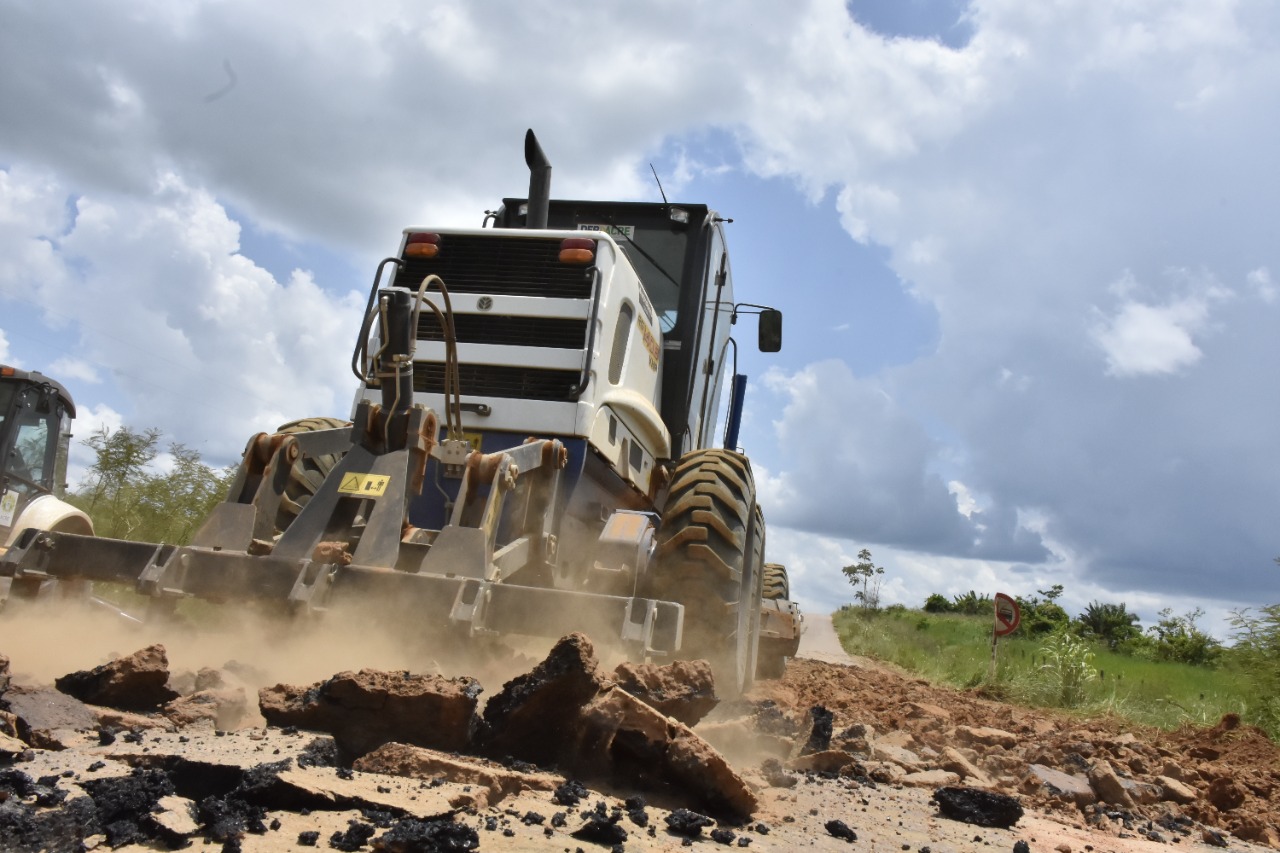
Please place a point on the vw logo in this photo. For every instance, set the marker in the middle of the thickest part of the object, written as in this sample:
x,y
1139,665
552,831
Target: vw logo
x,y
484,303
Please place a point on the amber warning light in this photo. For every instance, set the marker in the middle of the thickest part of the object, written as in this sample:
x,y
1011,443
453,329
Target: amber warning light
x,y
577,250
422,245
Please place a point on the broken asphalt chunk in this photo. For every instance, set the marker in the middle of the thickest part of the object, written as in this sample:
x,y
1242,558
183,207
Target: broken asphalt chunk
x,y
683,689
134,683
977,806
366,709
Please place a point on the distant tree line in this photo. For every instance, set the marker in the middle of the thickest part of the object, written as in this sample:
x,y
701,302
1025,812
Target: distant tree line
x,y
1174,638
129,496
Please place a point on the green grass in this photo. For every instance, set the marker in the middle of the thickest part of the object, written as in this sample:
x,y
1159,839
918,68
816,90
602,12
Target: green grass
x,y
956,650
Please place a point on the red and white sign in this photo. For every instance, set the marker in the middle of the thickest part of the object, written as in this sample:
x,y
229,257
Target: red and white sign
x,y
1008,615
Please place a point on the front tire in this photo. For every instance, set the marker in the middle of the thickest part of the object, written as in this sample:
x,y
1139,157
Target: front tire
x,y
710,550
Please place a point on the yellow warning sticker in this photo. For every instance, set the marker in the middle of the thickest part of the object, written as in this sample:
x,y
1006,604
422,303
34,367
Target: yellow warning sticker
x,y
473,438
372,485
650,343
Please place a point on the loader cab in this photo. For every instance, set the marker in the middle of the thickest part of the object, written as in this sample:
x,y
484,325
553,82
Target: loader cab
x,y
679,253
35,433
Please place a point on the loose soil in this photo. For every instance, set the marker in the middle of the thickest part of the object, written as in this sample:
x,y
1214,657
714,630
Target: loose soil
x,y
854,695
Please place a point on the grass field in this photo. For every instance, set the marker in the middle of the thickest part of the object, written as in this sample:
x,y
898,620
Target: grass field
x,y
1085,678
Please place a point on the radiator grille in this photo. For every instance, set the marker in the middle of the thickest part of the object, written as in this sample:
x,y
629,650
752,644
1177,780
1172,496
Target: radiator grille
x,y
510,331
517,266
484,380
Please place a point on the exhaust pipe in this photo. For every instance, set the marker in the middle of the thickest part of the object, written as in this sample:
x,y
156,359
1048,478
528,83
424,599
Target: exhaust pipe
x,y
539,182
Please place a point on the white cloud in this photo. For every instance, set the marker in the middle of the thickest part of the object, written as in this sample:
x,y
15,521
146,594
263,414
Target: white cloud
x,y
4,350
1143,339
1260,281
66,368
237,351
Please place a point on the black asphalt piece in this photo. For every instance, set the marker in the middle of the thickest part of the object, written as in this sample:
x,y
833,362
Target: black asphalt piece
x,y
820,734
16,782
687,823
723,836
124,804
570,793
840,829
1021,847
770,719
436,836
978,807
601,828
24,828
634,807
357,835
321,752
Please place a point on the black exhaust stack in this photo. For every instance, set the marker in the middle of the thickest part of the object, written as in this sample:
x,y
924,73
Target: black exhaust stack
x,y
539,182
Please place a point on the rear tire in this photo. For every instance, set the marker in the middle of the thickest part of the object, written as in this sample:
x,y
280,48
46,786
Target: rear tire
x,y
307,474
774,653
710,548
776,586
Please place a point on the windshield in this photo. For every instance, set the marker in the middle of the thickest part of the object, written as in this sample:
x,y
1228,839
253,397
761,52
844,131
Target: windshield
x,y
29,448
657,254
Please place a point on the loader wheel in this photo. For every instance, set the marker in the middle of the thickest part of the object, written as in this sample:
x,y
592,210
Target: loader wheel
x,y
710,548
307,474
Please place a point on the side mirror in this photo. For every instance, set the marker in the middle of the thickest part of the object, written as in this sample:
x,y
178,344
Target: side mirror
x,y
770,330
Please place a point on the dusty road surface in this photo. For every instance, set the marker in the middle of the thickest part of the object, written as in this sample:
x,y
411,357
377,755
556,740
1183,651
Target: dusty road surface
x,y
830,741
818,641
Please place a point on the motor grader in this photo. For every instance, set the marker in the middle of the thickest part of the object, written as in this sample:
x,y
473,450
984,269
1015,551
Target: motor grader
x,y
531,451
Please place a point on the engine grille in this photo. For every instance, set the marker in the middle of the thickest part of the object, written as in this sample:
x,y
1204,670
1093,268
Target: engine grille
x,y
502,266
510,331
517,266
482,380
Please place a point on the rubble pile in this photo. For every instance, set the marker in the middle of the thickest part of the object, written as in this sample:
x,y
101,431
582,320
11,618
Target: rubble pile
x,y
165,771
885,729
400,762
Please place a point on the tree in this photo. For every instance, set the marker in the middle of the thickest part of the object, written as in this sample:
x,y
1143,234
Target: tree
x,y
129,499
865,574
1043,617
1110,623
938,603
1177,638
972,604
1257,652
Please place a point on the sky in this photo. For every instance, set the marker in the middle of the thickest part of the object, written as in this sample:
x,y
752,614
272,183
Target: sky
x,y
1026,253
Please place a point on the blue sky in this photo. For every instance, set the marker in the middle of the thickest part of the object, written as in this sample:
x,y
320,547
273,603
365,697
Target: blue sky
x,y
1025,252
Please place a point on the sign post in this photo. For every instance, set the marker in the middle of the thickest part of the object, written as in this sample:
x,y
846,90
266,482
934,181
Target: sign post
x,y
1007,617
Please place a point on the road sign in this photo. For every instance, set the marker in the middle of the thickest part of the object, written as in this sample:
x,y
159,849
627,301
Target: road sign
x,y
1008,615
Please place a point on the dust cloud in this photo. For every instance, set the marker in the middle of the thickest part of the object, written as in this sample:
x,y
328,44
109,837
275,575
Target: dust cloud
x,y
257,647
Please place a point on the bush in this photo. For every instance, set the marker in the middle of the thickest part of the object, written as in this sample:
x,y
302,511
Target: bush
x,y
1109,623
1257,653
1177,638
938,603
972,604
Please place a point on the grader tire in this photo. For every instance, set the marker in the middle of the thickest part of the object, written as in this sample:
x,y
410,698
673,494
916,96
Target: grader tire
x,y
710,548
771,661
776,586
307,474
